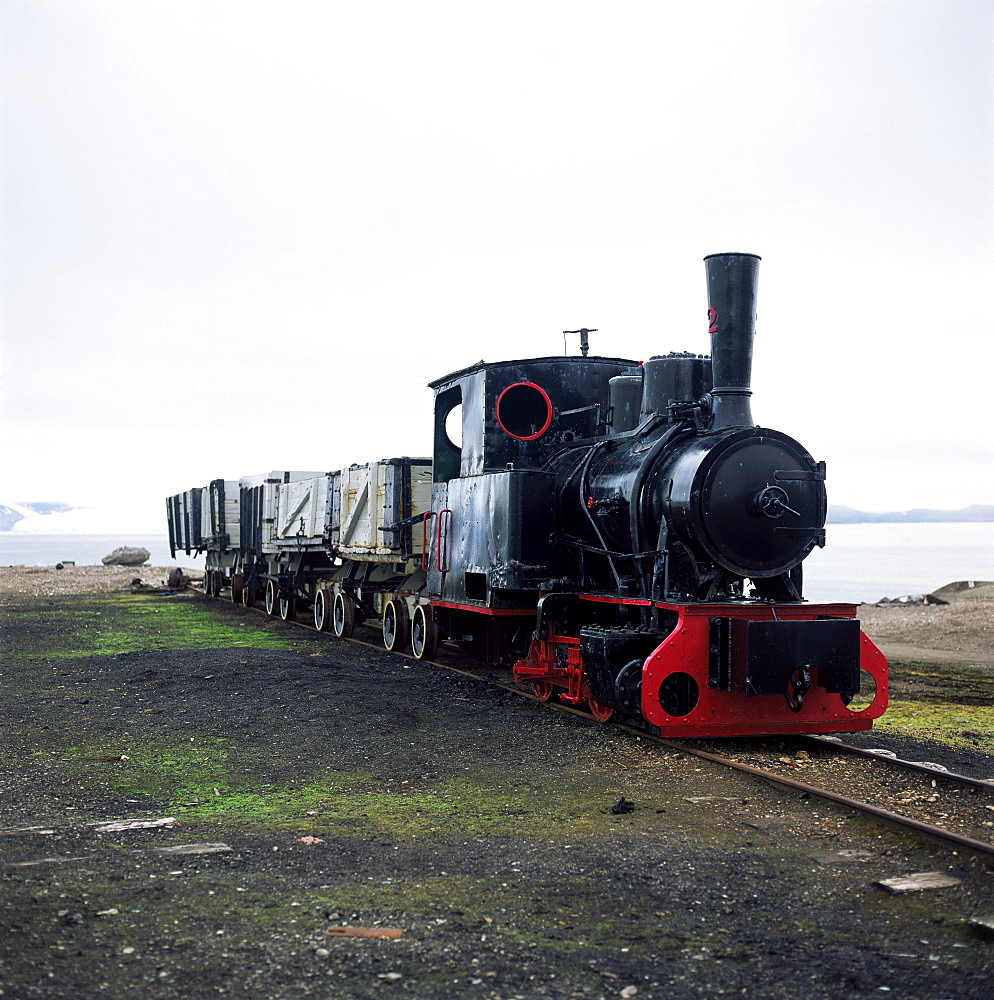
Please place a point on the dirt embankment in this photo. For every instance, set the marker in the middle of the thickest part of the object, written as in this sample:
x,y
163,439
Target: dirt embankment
x,y
938,652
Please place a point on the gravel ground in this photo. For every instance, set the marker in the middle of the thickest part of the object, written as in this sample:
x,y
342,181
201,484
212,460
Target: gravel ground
x,y
330,786
47,581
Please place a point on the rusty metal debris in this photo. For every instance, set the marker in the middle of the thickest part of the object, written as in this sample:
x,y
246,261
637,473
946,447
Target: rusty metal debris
x,y
369,932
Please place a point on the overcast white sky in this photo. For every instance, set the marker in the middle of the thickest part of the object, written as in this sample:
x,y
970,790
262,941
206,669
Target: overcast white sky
x,y
243,236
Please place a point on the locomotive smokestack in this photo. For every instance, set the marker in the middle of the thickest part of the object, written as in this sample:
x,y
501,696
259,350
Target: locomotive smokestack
x,y
732,280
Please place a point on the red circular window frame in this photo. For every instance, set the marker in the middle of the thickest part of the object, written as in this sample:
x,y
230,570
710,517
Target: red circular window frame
x,y
548,407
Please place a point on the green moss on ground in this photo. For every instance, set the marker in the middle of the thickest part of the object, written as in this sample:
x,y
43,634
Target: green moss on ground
x,y
218,781
963,726
130,623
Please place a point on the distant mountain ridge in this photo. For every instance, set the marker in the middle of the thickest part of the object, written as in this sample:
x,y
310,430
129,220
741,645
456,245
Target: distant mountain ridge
x,y
839,514
10,515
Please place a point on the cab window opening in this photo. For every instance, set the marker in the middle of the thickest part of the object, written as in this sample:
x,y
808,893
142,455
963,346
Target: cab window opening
x,y
524,411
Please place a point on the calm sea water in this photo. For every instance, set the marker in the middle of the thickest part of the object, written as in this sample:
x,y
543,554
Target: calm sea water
x,y
85,550
860,562
865,562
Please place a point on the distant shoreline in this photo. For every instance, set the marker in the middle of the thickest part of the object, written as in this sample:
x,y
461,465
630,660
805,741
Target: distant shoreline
x,y
975,514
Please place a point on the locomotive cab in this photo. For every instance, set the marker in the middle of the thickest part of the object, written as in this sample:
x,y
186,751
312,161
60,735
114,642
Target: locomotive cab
x,y
519,413
497,426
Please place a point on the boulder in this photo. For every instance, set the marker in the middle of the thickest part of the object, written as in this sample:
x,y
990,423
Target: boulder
x,y
125,555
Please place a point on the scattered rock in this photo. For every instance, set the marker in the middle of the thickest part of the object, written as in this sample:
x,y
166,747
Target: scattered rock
x,y
918,881
217,848
133,824
841,857
126,555
48,861
698,799
924,599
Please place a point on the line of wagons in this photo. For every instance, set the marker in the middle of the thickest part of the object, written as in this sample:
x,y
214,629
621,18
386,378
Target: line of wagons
x,y
350,544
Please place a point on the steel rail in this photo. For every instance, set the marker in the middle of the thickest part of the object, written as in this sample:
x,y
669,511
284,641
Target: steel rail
x,y
909,765
946,838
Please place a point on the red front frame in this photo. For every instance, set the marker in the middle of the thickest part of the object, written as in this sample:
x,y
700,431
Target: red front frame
x,y
716,713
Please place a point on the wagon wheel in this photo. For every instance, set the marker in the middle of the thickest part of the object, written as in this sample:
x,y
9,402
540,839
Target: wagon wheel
x,y
396,625
248,596
600,712
288,608
236,588
424,634
323,601
272,604
543,690
217,583
208,583
343,617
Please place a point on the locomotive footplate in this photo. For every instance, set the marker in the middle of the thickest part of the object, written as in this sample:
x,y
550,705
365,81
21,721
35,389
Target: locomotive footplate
x,y
761,657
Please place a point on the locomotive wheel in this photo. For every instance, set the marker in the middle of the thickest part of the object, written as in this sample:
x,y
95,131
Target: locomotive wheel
x,y
424,634
543,690
288,608
272,604
396,625
323,602
236,588
248,597
600,712
343,617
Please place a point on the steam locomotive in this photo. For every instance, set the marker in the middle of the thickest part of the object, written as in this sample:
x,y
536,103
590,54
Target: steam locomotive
x,y
622,535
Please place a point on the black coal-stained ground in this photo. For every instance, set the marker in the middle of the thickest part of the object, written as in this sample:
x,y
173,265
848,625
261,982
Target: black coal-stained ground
x,y
359,789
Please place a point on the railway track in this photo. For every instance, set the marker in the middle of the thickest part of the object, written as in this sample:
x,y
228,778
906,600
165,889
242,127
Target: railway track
x,y
917,797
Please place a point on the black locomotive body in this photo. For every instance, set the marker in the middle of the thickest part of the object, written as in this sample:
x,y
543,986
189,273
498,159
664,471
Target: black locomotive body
x,y
627,539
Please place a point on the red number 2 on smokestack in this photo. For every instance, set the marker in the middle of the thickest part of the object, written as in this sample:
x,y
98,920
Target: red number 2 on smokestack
x,y
712,321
